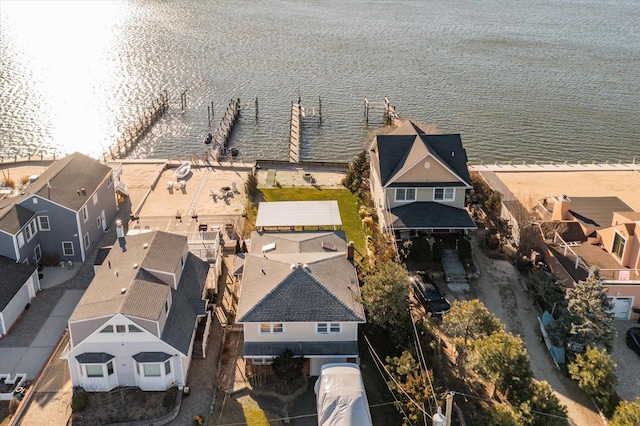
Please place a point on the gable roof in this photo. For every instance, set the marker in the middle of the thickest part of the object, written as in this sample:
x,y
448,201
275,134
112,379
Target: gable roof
x,y
392,151
307,284
14,275
299,242
125,270
62,183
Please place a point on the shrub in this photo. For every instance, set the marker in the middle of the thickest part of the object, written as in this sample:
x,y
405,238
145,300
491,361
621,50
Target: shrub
x,y
627,414
438,249
288,367
13,405
24,179
464,249
595,372
80,401
9,182
169,399
251,187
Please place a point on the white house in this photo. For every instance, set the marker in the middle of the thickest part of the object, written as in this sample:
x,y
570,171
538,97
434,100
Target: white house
x,y
19,284
136,323
300,291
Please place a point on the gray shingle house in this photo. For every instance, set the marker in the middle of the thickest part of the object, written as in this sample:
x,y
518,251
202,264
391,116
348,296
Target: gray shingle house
x,y
61,214
419,182
300,291
136,323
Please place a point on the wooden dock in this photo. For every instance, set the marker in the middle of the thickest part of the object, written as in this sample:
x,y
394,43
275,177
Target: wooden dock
x,y
388,110
130,139
223,132
294,134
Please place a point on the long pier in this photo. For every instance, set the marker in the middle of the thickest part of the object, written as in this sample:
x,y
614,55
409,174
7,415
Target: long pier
x,y
130,139
223,132
294,134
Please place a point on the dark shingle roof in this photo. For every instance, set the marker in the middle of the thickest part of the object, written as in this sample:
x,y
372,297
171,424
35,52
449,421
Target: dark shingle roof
x,y
187,304
142,357
94,358
393,149
298,242
14,275
266,349
68,176
15,218
430,215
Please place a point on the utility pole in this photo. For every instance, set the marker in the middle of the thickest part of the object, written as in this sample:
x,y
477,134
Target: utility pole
x,y
449,405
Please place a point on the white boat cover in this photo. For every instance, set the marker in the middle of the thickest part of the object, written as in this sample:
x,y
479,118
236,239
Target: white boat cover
x,y
341,397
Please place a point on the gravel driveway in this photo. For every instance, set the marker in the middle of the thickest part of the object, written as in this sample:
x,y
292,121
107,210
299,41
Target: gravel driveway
x,y
628,363
501,290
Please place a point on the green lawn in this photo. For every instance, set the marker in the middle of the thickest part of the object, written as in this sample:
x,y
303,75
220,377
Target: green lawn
x,y
347,202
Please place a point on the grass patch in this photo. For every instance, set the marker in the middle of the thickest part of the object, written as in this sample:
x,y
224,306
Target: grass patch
x,y
347,202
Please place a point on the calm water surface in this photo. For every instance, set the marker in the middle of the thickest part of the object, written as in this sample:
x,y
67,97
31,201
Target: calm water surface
x,y
520,80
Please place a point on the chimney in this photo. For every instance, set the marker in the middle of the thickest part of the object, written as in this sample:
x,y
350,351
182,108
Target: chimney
x,y
350,250
561,208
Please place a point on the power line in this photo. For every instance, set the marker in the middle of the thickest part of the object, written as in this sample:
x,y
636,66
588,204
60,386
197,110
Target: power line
x,y
514,406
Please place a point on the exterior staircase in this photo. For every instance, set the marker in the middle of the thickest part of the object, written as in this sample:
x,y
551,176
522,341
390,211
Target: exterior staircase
x,y
454,272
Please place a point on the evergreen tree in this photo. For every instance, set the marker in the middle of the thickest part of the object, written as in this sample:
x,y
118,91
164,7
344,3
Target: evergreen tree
x,y
627,414
595,372
588,319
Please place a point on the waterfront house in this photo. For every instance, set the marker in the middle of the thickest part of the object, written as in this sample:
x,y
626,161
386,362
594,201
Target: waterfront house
x,y
18,286
299,291
419,182
136,323
597,232
60,214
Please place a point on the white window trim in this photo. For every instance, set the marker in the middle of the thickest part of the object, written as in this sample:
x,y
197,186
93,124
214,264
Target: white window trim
x,y
73,252
271,328
328,326
444,194
86,371
405,197
32,229
262,361
95,198
157,364
85,213
37,250
20,238
110,180
42,228
86,240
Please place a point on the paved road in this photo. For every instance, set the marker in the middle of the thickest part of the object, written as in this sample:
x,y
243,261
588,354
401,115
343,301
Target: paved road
x,y
501,290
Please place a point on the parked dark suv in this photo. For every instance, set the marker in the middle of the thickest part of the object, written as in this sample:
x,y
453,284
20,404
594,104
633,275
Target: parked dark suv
x,y
633,339
428,294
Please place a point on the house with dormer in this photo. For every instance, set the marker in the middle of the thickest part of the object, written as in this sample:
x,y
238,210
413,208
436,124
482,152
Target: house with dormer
x,y
136,323
61,213
299,291
601,232
419,182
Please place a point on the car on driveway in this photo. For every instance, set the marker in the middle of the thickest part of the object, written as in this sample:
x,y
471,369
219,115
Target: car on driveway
x,y
633,339
428,294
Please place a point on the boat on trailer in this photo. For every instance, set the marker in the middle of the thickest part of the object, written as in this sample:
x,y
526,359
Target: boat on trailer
x,y
183,170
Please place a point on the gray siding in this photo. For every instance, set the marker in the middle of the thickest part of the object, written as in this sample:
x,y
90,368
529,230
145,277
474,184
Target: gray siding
x,y
150,326
7,247
106,202
82,329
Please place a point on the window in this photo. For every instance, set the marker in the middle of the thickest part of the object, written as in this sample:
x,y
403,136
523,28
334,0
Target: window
x,y
262,361
121,329
134,329
110,368
38,253
151,370
95,198
20,240
85,213
276,328
67,248
618,245
43,221
405,194
87,241
99,222
109,180
94,370
167,367
107,329
444,194
166,307
328,328
31,230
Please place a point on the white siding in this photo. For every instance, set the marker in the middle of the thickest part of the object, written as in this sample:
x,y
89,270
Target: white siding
x,y
12,311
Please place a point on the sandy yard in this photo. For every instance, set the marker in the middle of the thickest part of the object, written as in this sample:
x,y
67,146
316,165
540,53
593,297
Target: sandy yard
x,y
528,186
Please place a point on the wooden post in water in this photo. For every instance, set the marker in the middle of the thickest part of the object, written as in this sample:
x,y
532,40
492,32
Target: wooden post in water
x,y
256,108
366,109
320,108
209,115
212,112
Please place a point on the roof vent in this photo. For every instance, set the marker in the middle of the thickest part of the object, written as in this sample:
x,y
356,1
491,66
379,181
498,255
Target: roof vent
x,y
123,290
305,266
83,191
293,266
145,246
453,153
299,264
135,266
